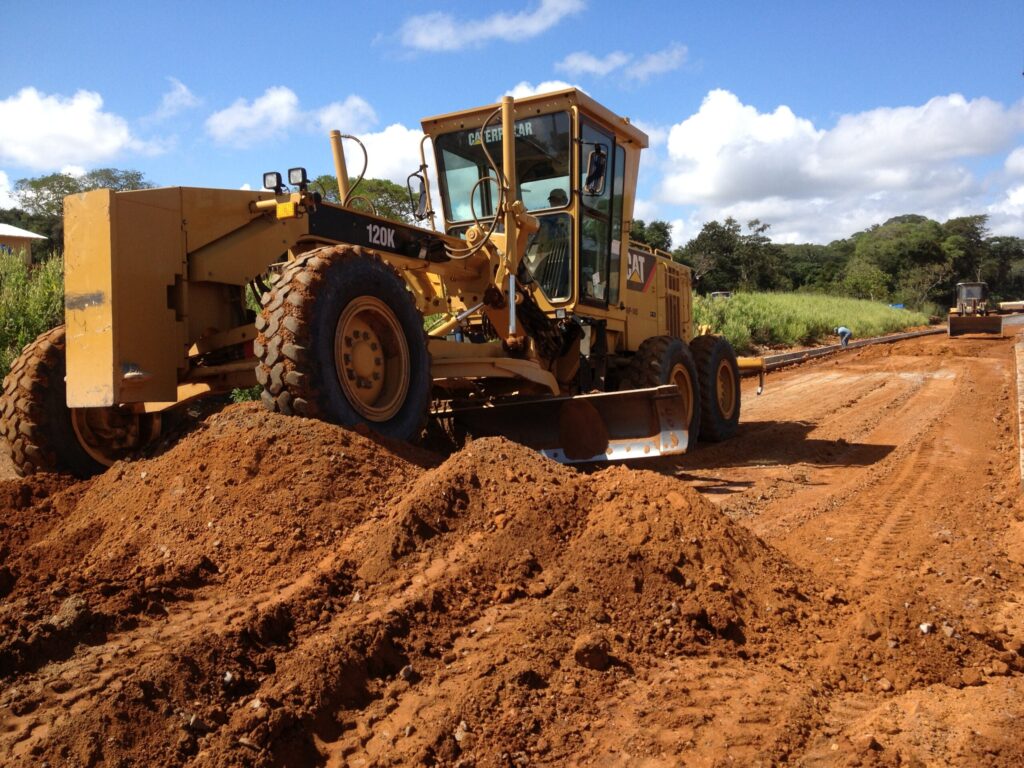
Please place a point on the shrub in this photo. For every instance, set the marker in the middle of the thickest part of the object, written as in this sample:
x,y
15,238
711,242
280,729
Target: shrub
x,y
31,302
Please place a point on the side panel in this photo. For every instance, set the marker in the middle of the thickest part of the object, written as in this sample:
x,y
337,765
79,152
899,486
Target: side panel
x,y
641,297
88,298
125,253
209,214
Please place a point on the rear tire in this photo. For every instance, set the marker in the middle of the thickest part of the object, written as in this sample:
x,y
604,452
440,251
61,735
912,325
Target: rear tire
x,y
667,360
719,377
42,434
340,339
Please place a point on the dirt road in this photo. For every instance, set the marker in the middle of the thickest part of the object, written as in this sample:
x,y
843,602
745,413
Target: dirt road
x,y
843,587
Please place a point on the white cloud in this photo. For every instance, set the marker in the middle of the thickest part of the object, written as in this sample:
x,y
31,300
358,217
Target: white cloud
x,y
1006,215
817,184
393,153
73,170
438,31
524,89
1014,164
244,123
645,210
583,63
353,115
278,111
42,132
657,63
657,135
6,193
178,99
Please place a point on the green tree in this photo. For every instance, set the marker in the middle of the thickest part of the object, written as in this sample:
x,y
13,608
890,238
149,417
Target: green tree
x,y
657,234
864,280
964,243
711,255
758,258
41,201
729,260
44,195
919,285
817,268
1002,255
389,200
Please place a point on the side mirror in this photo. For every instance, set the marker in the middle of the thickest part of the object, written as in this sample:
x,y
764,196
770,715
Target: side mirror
x,y
419,205
597,165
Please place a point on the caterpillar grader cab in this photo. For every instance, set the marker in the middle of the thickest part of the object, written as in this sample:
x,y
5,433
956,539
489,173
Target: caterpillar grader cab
x,y
544,323
972,313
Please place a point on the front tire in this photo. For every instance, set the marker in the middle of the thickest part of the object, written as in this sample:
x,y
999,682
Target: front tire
x,y
719,387
42,434
667,360
340,339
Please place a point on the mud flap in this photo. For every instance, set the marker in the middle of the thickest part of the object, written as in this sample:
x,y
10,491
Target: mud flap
x,y
604,426
962,324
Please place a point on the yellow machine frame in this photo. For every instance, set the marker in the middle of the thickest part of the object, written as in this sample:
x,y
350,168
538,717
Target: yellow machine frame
x,y
157,311
156,280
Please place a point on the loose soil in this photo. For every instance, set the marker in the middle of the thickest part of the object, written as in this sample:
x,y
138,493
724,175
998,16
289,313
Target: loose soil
x,y
838,585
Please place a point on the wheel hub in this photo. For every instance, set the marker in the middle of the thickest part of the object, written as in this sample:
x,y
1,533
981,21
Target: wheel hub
x,y
681,378
110,434
725,389
372,358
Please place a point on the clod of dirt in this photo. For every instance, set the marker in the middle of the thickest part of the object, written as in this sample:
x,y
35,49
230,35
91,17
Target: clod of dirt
x,y
592,651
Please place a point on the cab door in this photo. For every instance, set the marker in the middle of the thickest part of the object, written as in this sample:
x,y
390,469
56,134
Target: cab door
x,y
597,174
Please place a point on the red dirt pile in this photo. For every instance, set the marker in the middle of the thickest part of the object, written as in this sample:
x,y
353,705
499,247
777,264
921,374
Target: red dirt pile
x,y
279,591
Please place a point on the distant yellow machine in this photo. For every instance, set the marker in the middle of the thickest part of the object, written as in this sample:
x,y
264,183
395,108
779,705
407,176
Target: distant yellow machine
x,y
547,325
972,313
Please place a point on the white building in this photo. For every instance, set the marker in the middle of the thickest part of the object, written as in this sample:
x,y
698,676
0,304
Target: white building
x,y
15,240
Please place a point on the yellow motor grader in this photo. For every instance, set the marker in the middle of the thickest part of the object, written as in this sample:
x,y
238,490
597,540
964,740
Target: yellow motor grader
x,y
546,324
972,313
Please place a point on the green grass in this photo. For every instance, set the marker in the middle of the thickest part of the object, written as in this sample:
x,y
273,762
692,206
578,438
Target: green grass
x,y
31,302
757,320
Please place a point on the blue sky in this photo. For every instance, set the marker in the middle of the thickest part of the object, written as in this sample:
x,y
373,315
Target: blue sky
x,y
820,118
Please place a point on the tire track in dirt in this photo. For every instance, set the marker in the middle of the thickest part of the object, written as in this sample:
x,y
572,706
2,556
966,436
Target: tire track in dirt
x,y
841,490
873,539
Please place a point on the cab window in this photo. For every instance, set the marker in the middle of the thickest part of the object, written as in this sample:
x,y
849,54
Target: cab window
x,y
542,166
597,173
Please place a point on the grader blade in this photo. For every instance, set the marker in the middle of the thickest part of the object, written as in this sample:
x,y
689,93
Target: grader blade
x,y
963,324
604,426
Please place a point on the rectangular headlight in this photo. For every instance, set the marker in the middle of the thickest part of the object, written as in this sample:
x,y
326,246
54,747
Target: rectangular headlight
x,y
271,180
296,176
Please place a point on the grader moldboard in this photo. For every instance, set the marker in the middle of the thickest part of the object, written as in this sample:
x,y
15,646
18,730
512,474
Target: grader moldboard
x,y
555,330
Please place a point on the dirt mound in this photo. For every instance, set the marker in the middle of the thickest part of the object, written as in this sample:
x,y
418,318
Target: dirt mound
x,y
281,591
275,591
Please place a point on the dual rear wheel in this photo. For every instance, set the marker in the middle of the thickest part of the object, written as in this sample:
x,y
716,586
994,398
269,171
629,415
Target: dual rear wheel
x,y
706,374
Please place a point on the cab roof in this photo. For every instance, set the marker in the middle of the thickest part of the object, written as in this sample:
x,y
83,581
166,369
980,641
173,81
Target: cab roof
x,y
540,104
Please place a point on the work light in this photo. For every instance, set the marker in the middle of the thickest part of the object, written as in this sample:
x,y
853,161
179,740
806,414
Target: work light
x,y
297,177
272,180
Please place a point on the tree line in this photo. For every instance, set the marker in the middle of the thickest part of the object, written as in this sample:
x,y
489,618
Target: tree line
x,y
40,200
909,259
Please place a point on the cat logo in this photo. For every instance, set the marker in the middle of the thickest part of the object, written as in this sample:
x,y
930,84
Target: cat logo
x,y
639,270
635,273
